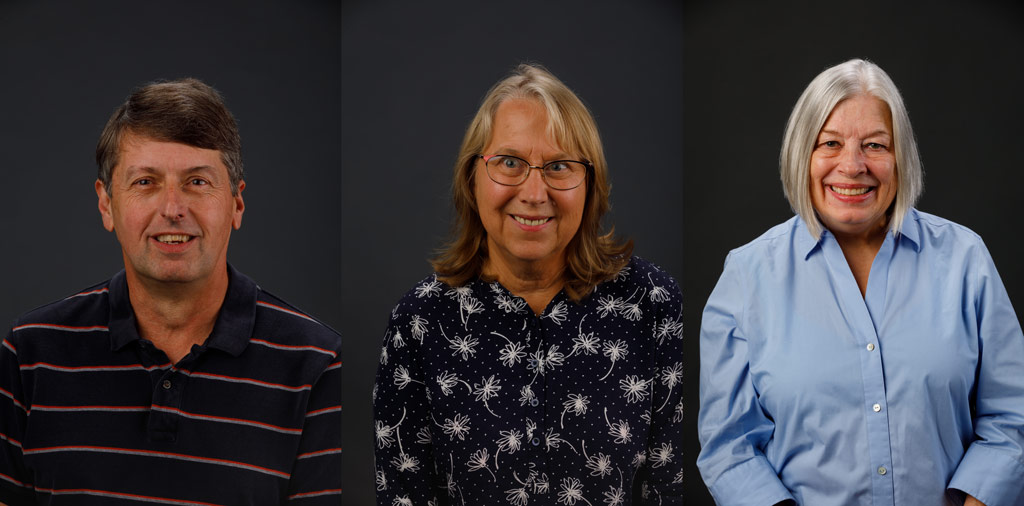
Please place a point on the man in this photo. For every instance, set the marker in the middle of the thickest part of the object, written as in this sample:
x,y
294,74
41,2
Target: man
x,y
179,380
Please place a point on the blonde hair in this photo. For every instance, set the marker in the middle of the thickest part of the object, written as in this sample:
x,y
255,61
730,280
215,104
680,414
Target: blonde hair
x,y
590,256
828,89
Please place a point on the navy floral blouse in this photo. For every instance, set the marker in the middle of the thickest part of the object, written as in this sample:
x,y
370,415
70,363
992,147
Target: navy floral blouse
x,y
479,401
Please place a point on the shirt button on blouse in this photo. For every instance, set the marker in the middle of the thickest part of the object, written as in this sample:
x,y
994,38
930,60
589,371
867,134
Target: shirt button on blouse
x,y
871,346
534,402
877,407
881,470
535,441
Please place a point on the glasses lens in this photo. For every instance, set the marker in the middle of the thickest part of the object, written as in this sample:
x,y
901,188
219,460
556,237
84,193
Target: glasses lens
x,y
564,174
506,169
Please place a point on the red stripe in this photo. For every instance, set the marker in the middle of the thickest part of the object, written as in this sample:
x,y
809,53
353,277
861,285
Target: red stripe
x,y
96,407
10,346
58,491
151,452
317,453
101,290
15,401
227,419
14,481
294,347
318,492
324,410
58,327
286,310
245,380
74,368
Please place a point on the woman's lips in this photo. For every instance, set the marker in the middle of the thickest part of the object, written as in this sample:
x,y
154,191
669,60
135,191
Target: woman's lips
x,y
531,221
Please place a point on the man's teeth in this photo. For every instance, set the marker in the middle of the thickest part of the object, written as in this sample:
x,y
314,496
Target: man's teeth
x,y
173,238
533,223
851,191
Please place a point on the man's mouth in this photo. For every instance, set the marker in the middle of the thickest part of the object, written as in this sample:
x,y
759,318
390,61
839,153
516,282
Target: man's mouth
x,y
852,192
532,223
173,238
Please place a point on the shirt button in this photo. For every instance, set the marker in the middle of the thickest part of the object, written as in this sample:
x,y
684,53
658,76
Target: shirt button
x,y
167,384
534,402
877,407
535,442
871,346
881,470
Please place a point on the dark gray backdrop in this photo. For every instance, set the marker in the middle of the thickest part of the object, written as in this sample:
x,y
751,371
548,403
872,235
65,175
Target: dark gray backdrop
x,y
67,65
413,75
960,68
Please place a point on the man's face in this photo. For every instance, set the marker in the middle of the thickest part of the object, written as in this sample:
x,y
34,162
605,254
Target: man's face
x,y
172,210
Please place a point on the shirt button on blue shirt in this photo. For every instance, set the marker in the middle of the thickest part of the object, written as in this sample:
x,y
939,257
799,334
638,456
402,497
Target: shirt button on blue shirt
x,y
881,470
871,346
877,407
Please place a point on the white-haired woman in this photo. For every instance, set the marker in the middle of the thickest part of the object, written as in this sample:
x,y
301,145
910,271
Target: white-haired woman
x,y
862,352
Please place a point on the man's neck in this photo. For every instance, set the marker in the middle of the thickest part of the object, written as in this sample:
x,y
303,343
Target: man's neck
x,y
176,316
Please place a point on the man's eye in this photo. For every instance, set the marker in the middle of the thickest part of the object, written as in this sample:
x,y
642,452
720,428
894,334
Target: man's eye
x,y
143,182
198,182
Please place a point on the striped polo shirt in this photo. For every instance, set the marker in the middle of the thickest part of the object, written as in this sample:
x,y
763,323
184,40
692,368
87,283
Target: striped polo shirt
x,y
90,413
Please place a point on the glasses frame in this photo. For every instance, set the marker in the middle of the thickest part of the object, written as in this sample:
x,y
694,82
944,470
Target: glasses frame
x,y
529,168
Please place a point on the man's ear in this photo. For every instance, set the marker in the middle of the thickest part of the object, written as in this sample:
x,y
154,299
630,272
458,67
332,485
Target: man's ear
x,y
236,220
104,206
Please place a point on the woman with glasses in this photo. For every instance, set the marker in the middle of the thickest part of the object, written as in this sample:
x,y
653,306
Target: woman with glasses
x,y
862,352
541,363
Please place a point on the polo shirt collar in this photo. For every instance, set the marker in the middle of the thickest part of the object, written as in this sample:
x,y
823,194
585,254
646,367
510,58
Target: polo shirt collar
x,y
231,332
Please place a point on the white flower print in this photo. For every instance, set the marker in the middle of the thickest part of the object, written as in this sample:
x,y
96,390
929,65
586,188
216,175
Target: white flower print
x,y
608,305
668,327
460,293
517,496
384,355
542,485
557,313
487,389
457,427
618,430
662,455
496,287
615,496
428,288
639,459
670,377
404,462
526,395
512,353
469,306
402,378
446,380
631,310
577,404
418,325
635,389
657,293
678,478
615,351
465,346
401,501
381,479
677,414
584,343
542,362
530,427
510,304
510,441
478,460
384,432
424,436
599,464
553,439
572,491
396,339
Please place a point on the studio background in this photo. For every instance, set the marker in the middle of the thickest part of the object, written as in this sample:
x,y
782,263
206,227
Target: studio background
x,y
959,68
67,65
413,76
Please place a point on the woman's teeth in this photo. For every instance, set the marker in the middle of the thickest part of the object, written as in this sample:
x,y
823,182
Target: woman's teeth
x,y
532,223
851,191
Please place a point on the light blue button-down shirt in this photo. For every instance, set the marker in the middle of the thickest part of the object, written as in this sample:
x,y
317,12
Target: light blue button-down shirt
x,y
910,395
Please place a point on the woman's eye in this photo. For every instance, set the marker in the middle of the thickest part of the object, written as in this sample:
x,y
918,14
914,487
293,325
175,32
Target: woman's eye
x,y
558,167
830,144
875,145
510,163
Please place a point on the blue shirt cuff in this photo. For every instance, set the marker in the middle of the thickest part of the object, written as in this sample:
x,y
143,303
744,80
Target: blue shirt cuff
x,y
752,483
991,476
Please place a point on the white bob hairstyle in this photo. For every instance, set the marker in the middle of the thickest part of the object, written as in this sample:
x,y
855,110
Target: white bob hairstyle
x,y
835,84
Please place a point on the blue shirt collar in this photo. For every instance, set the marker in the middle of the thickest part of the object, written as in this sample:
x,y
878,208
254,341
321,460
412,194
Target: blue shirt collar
x,y
911,232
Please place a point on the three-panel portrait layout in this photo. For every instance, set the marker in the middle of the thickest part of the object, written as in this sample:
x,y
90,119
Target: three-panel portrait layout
x,y
437,299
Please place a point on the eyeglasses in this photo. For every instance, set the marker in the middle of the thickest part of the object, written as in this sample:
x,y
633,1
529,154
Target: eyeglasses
x,y
513,171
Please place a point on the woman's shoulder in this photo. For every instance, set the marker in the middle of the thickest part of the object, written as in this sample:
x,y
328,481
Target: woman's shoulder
x,y
638,273
934,226
782,237
431,294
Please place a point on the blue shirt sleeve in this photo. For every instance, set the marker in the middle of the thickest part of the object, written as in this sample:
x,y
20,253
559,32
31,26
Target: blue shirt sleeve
x,y
992,470
733,428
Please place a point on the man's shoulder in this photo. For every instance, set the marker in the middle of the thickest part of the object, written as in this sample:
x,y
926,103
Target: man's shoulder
x,y
290,326
85,308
